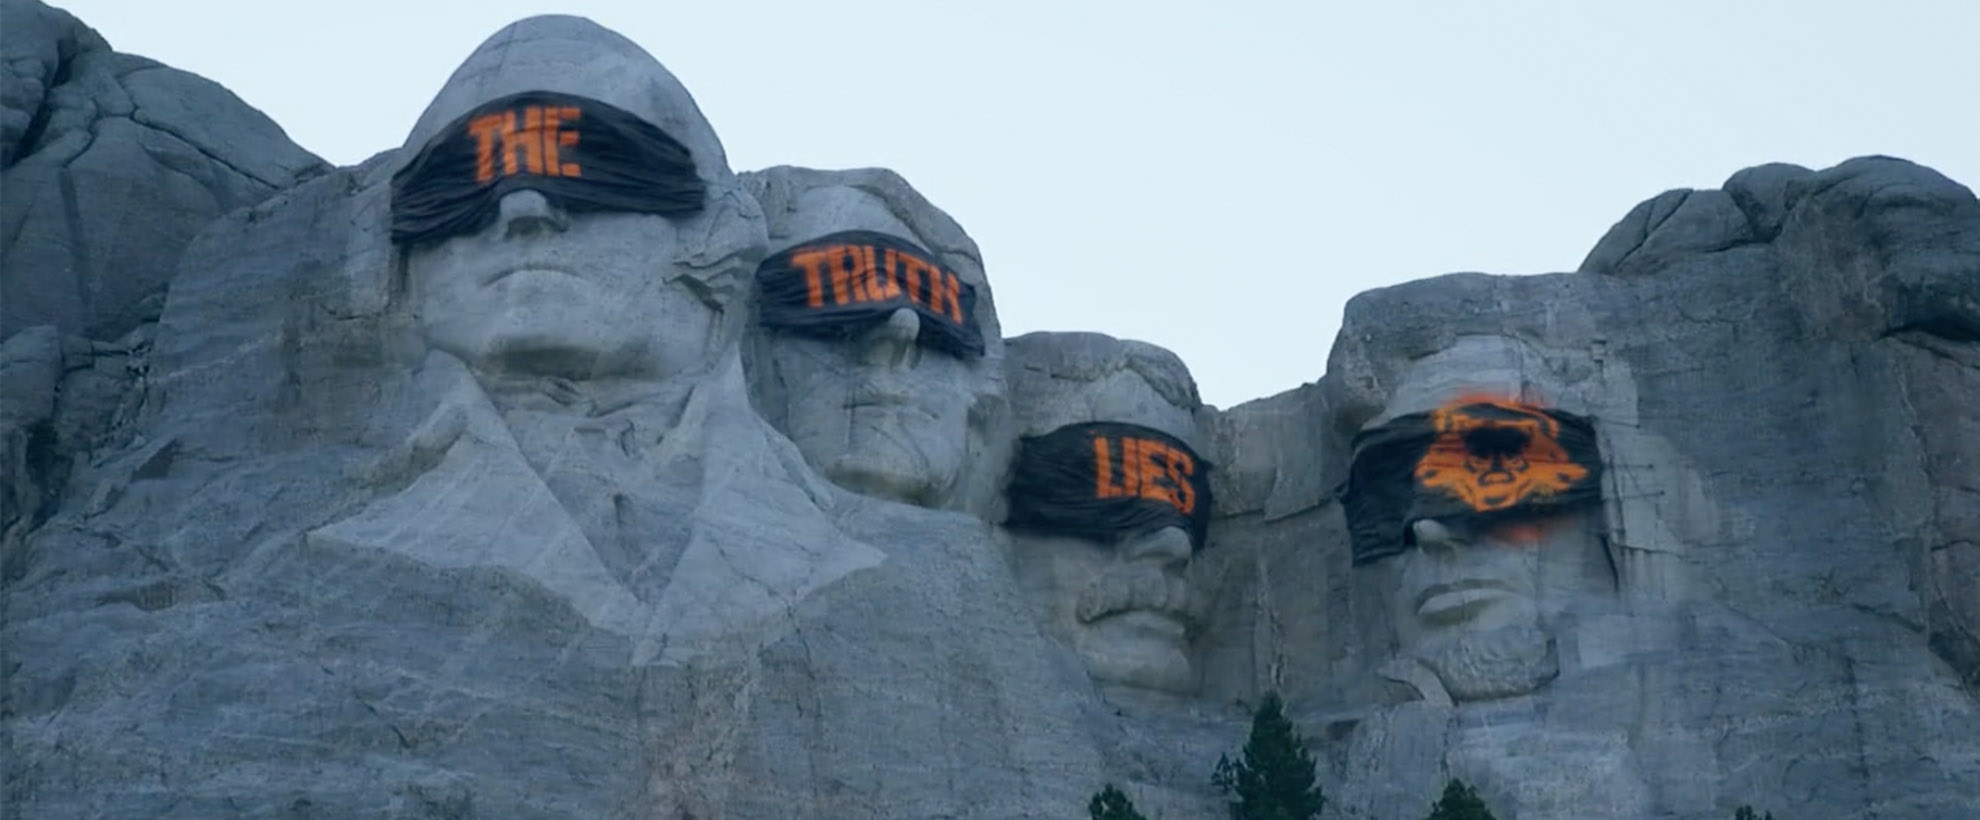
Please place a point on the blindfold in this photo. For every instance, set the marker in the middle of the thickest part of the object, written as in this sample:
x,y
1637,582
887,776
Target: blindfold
x,y
859,278
1106,480
581,154
1480,462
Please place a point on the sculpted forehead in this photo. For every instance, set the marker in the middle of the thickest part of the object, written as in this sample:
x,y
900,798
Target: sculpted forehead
x,y
1127,396
802,203
821,211
1069,378
1497,365
574,55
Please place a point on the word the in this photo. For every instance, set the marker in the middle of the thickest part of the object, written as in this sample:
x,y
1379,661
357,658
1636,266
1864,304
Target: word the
x,y
531,148
865,273
1141,474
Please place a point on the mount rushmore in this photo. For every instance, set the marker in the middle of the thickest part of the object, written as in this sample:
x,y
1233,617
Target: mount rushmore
x,y
545,466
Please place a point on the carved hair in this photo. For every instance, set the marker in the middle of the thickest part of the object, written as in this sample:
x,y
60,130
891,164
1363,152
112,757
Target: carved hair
x,y
1091,357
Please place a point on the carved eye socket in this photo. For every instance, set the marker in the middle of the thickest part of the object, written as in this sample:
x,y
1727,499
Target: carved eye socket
x,y
1500,442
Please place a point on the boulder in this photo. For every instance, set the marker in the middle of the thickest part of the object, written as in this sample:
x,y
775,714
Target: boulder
x,y
109,164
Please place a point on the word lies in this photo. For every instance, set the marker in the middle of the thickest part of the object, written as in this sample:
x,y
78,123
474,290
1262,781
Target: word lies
x,y
1148,468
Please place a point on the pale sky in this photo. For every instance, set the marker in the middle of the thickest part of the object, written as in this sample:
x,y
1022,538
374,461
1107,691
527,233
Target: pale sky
x,y
1214,177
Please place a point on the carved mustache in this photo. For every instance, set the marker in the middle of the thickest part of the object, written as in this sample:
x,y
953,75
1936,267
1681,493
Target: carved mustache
x,y
1129,589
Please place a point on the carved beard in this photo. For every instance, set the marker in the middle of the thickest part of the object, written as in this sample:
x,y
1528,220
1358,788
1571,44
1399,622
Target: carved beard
x,y
1505,662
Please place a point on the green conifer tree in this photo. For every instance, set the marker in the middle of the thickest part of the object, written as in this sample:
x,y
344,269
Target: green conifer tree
x,y
1747,813
1459,803
1112,804
1274,780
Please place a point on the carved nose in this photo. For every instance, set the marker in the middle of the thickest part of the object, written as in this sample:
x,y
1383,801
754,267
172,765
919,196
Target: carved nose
x,y
1436,538
892,344
528,213
1168,546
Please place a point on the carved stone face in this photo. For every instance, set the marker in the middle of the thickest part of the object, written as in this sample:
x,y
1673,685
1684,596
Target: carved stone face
x,y
1461,580
869,407
545,292
875,412
596,294
1125,604
1479,603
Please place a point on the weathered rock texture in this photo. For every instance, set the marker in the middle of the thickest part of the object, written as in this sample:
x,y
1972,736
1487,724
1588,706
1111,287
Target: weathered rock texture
x,y
109,164
944,443
1785,373
277,556
327,571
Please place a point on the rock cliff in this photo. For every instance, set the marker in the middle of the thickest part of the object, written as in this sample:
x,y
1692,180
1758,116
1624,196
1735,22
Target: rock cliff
x,y
541,519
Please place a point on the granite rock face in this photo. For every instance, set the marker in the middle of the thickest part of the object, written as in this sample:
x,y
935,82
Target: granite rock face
x,y
1782,376
297,550
109,164
61,398
1124,597
878,412
359,574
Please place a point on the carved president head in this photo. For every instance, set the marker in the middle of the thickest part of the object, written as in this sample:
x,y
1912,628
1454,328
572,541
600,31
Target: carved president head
x,y
876,346
563,209
1109,501
1484,501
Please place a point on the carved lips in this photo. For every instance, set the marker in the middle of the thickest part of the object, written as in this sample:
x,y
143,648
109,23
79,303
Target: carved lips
x,y
1459,599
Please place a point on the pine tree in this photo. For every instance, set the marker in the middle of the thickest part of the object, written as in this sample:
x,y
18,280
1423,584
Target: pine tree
x,y
1459,803
1747,813
1112,804
1274,780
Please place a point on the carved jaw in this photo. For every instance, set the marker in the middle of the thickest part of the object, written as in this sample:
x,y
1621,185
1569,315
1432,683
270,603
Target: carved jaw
x,y
900,451
1138,650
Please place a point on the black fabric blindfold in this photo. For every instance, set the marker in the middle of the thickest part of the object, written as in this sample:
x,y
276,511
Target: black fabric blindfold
x,y
1104,480
1477,462
855,278
580,153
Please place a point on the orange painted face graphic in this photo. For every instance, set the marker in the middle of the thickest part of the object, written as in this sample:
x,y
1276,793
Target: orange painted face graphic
x,y
1494,454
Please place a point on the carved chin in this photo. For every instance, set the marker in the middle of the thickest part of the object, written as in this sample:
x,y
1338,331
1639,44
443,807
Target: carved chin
x,y
1144,650
890,460
1500,663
